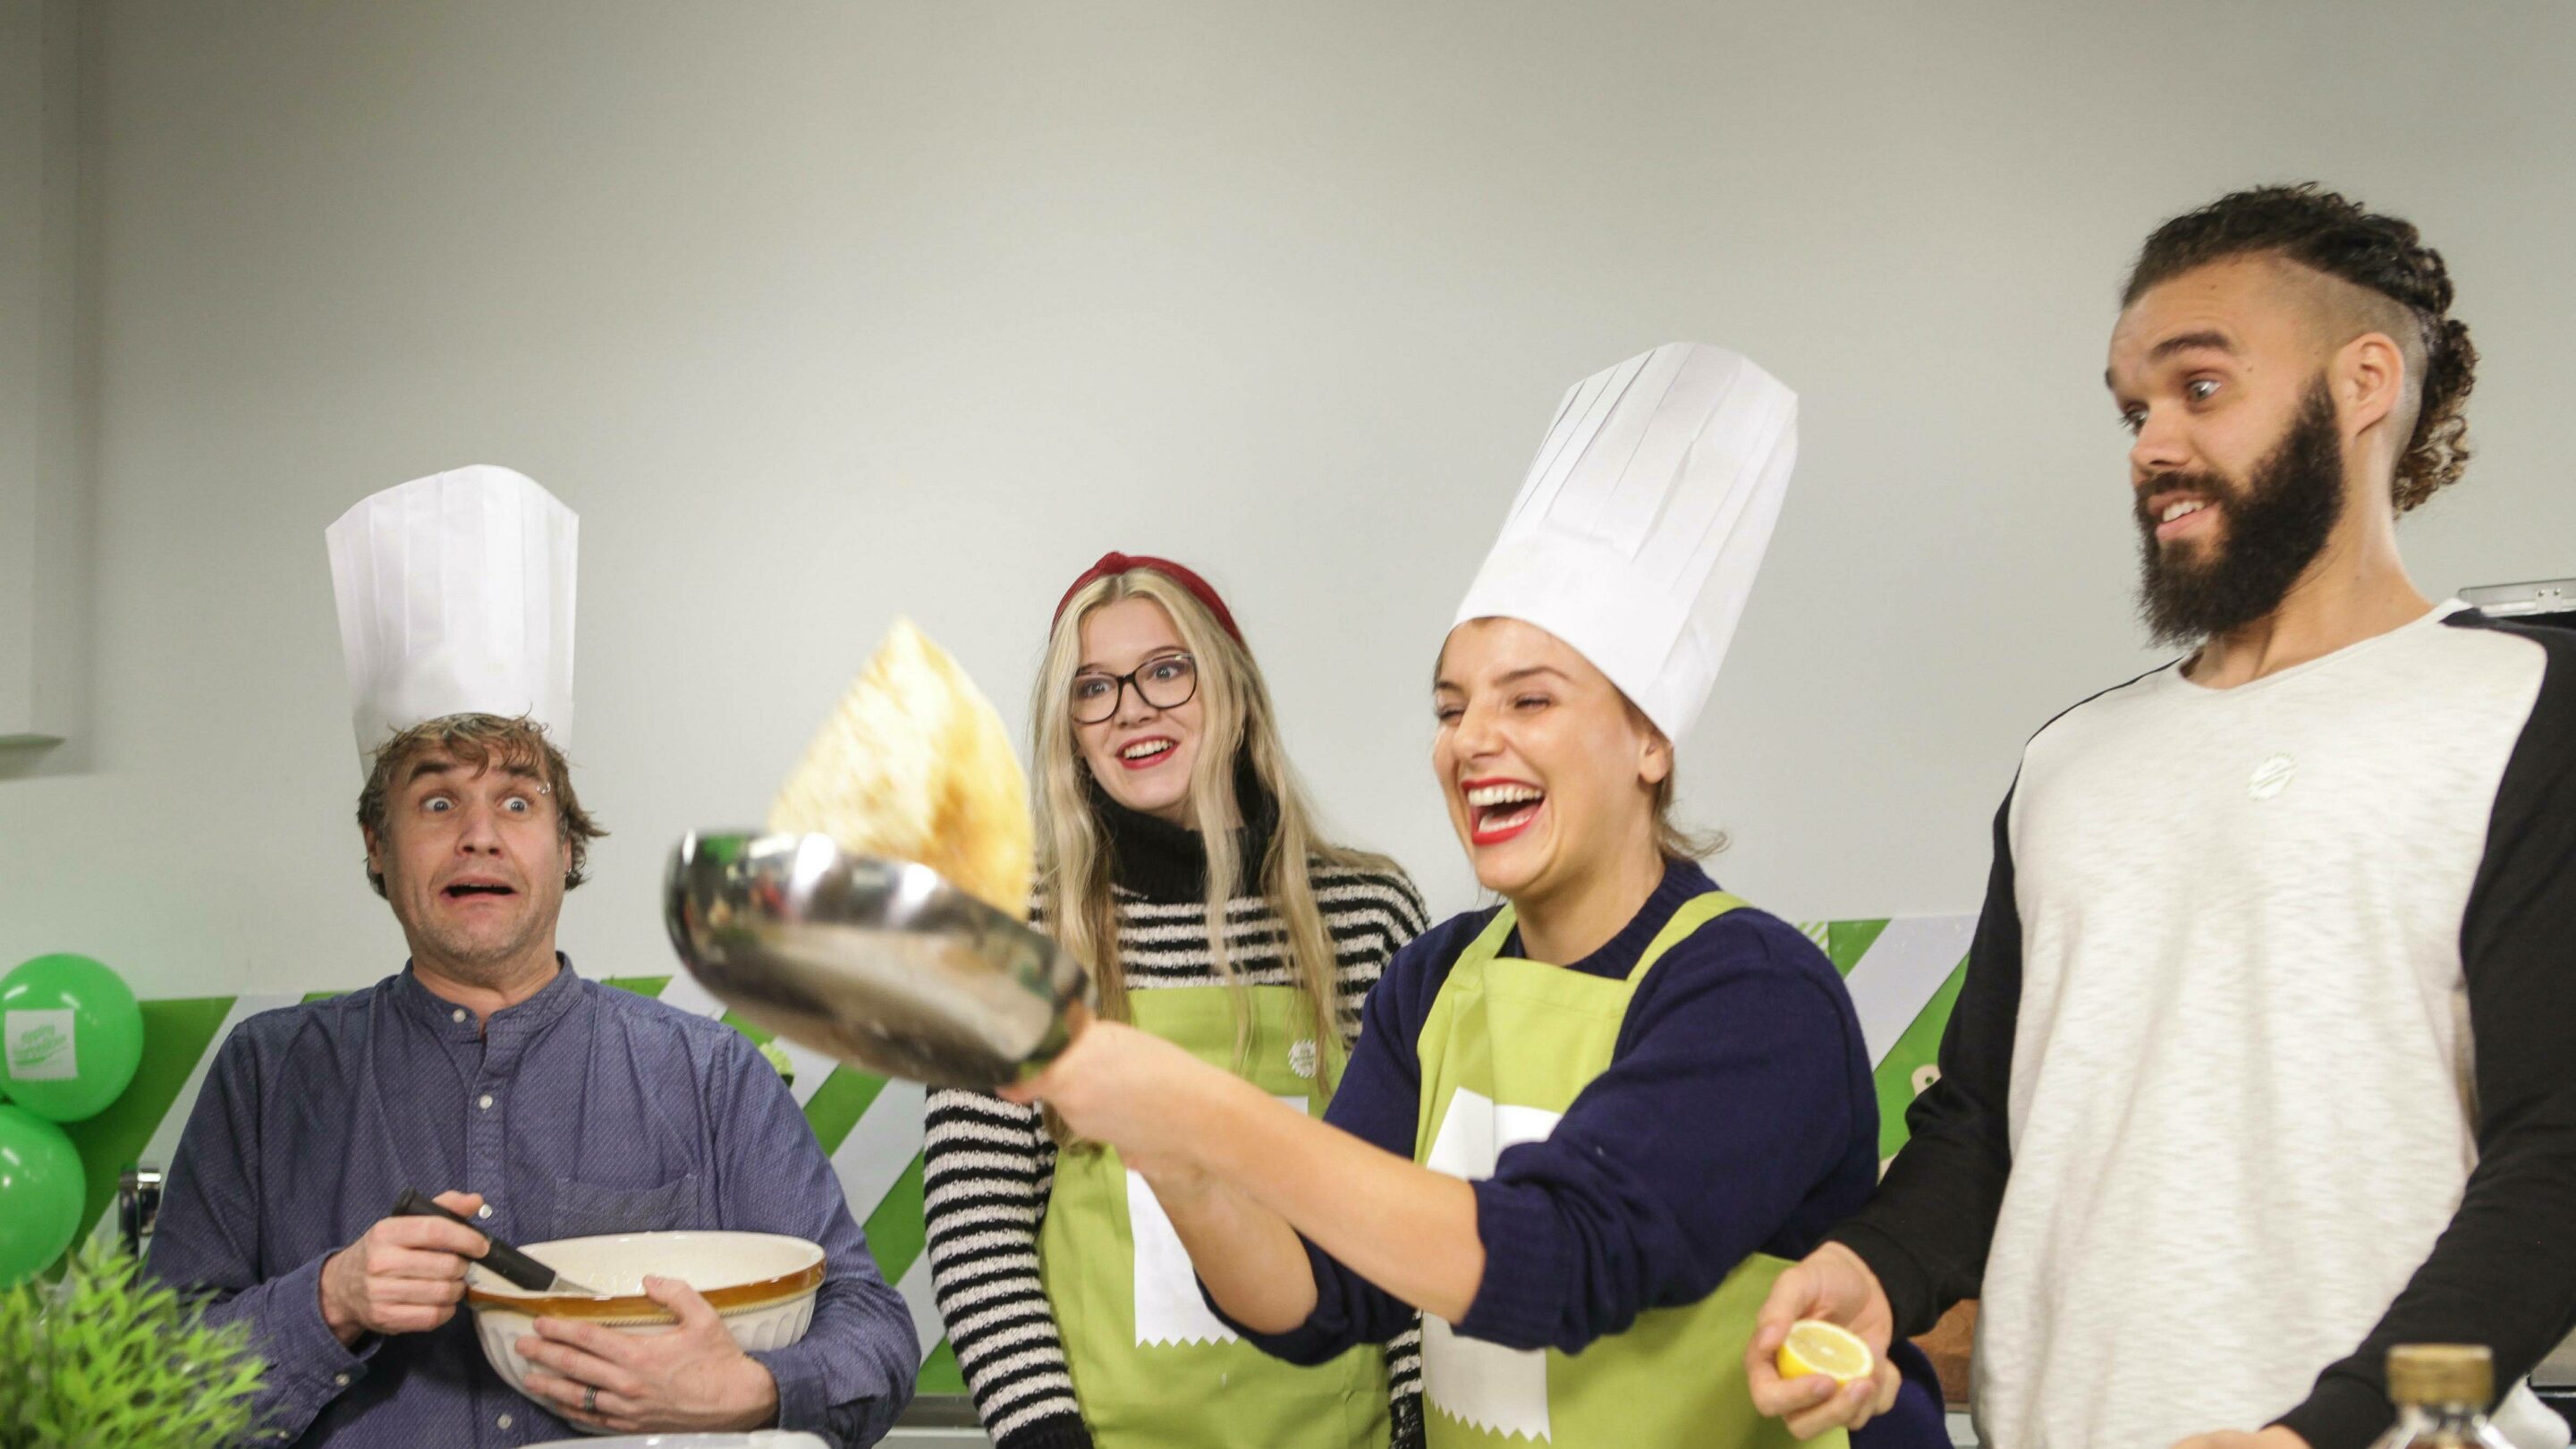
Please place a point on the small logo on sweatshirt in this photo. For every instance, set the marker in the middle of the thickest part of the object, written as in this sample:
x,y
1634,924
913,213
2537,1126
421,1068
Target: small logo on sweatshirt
x,y
1301,1058
2271,777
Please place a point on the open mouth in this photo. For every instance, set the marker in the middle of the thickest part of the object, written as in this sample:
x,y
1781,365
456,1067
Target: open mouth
x,y
1145,754
1499,810
2176,517
466,890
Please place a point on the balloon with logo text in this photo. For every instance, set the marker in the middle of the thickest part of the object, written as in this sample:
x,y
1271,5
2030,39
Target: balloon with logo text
x,y
70,1036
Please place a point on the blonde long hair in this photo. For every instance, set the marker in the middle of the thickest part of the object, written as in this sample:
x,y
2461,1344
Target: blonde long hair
x,y
1073,858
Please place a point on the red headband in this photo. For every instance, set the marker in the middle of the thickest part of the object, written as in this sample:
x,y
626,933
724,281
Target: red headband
x,y
1114,562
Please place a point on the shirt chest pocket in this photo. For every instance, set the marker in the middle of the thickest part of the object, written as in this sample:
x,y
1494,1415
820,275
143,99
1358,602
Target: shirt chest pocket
x,y
587,1209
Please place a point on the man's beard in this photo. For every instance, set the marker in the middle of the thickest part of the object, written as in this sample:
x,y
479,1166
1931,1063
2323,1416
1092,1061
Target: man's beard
x,y
485,960
484,956
2276,523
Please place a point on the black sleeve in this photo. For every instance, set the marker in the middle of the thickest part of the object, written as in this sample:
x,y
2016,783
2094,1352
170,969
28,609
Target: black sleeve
x,y
1926,1231
2504,1272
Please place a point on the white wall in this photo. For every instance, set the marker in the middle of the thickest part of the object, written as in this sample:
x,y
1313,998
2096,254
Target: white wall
x,y
44,393
821,312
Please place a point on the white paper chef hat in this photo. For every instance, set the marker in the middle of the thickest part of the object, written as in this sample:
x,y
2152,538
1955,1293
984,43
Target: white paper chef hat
x,y
455,594
1636,537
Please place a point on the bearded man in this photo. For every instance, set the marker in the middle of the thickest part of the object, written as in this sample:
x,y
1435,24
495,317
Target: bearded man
x,y
2260,1063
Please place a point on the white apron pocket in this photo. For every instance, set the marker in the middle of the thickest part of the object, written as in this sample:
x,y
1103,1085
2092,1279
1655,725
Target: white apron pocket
x,y
1169,1308
1497,1389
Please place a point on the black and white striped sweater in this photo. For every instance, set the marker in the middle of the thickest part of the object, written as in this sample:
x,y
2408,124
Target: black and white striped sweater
x,y
989,1164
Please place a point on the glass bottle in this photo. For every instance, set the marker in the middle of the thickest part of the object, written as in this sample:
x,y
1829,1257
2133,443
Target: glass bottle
x,y
2441,1391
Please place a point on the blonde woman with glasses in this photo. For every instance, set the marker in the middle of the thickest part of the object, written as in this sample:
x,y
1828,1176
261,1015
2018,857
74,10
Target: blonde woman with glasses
x,y
1177,858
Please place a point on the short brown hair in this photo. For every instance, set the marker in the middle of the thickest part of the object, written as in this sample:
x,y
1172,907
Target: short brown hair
x,y
480,741
2385,255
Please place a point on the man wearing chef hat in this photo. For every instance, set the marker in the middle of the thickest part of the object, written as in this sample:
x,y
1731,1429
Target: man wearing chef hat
x,y
2260,1067
1582,1131
547,1105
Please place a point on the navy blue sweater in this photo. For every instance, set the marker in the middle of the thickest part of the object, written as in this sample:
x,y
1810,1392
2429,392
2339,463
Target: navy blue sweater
x,y
1737,1116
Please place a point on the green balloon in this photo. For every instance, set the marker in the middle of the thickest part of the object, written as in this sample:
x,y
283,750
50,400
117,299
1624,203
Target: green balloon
x,y
41,1186
70,1037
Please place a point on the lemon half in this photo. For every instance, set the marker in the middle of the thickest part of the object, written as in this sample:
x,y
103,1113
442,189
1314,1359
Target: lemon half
x,y
1817,1347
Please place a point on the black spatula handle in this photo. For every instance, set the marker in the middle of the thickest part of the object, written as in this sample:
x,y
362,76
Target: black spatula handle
x,y
501,1258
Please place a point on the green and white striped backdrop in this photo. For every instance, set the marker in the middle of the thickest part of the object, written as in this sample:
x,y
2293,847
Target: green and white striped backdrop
x,y
1903,975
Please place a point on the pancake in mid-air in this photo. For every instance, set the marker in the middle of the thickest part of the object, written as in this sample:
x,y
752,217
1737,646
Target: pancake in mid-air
x,y
915,765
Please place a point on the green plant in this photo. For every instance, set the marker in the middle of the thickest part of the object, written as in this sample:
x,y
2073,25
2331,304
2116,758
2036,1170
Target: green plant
x,y
105,1358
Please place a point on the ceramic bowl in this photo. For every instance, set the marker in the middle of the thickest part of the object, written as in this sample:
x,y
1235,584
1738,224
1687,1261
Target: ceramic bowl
x,y
753,1439
761,1285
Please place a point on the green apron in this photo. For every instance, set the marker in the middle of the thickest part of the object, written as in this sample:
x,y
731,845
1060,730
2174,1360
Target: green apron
x,y
1152,1367
1508,1045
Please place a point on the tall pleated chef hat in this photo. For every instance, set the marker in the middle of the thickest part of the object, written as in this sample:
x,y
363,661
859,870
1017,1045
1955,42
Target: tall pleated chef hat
x,y
455,594
1637,534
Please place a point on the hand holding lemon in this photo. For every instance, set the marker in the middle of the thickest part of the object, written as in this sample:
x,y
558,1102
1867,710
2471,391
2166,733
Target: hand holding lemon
x,y
1818,1359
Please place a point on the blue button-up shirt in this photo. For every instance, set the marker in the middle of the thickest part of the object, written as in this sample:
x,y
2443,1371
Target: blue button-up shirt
x,y
584,1109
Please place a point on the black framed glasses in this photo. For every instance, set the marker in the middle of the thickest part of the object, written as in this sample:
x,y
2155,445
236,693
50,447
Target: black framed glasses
x,y
1165,682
